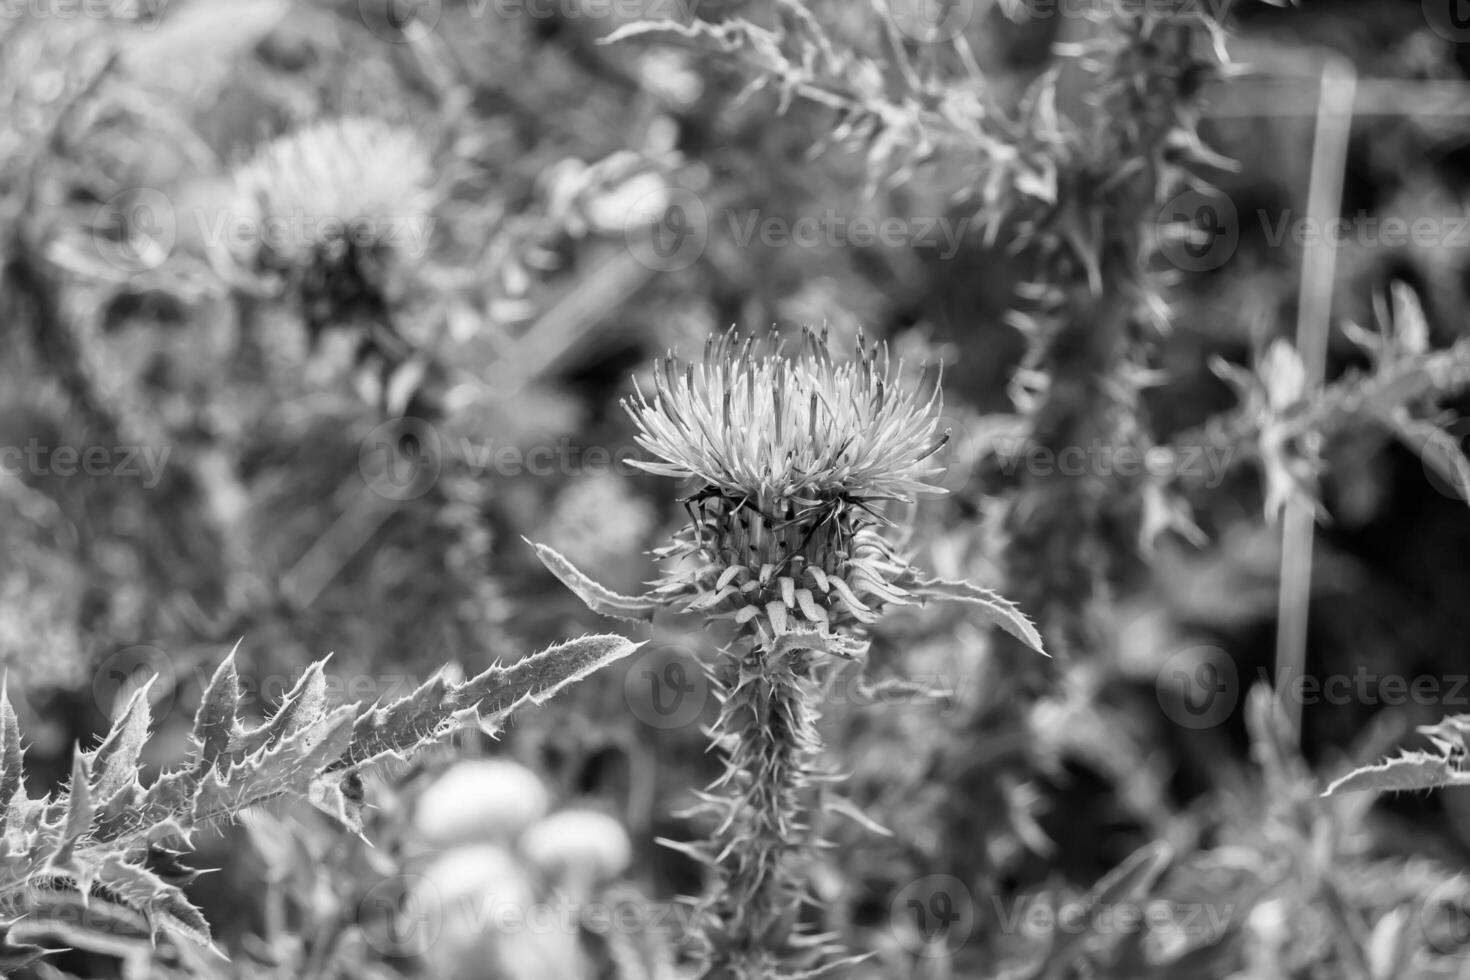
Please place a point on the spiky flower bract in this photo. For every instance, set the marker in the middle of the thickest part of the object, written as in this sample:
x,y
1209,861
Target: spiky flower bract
x,y
792,455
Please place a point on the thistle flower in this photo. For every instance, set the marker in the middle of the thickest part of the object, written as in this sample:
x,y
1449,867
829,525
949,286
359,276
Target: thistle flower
x,y
333,208
340,182
793,454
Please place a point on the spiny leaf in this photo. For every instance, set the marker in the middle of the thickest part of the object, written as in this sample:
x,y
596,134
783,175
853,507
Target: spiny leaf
x,y
597,597
162,904
289,766
423,716
214,723
115,761
11,757
17,955
302,706
994,607
1408,772
79,813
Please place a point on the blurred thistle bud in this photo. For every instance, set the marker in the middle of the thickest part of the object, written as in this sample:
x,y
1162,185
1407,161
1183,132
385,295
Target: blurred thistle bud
x,y
794,454
335,209
579,850
490,800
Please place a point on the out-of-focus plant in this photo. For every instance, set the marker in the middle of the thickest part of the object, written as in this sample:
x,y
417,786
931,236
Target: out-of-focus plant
x,y
792,460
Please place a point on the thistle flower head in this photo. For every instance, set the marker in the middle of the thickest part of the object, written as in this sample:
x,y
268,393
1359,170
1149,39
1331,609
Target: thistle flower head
x,y
328,190
792,452
772,427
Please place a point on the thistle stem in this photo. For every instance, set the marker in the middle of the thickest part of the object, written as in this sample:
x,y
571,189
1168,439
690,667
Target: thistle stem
x,y
768,724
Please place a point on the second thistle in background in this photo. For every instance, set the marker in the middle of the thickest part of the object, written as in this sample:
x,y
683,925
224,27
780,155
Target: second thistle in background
x,y
333,218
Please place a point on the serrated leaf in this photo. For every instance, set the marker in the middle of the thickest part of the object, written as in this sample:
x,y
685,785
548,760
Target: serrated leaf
x,y
289,766
994,607
1409,772
79,811
115,761
428,712
17,955
302,706
214,722
12,759
162,904
595,596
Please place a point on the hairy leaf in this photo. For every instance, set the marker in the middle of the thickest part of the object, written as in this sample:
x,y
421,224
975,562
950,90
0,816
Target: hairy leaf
x,y
994,607
597,597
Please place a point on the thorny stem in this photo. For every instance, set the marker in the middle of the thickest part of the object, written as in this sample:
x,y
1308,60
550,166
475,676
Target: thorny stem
x,y
768,725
